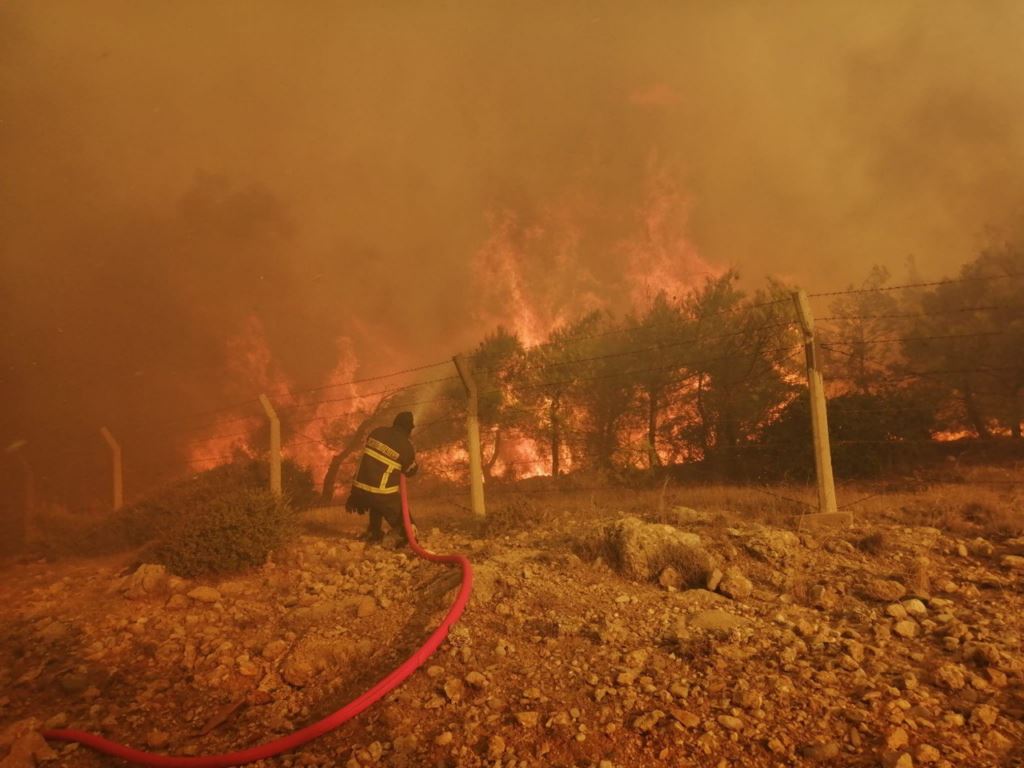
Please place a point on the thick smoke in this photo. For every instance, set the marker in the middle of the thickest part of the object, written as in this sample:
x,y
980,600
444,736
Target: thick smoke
x,y
363,172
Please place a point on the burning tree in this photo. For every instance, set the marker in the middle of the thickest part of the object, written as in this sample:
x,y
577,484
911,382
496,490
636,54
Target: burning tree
x,y
549,383
738,361
659,339
497,361
856,353
604,391
970,333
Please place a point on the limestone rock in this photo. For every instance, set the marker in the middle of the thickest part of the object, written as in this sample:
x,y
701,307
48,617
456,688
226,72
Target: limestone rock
x,y
735,585
981,548
157,739
820,753
915,607
454,689
298,671
205,594
528,719
26,746
906,628
984,714
647,722
640,550
896,611
365,606
273,650
669,578
897,738
714,579
684,718
313,656
148,580
897,760
495,747
823,596
729,722
476,680
885,590
952,677
719,621
772,544
177,602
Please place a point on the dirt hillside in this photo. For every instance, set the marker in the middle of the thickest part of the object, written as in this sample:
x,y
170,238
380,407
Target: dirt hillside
x,y
601,635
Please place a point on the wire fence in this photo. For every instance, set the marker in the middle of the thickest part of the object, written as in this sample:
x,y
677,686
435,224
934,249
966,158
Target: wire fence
x,y
708,391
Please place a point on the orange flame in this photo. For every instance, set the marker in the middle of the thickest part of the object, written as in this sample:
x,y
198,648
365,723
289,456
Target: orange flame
x,y
661,256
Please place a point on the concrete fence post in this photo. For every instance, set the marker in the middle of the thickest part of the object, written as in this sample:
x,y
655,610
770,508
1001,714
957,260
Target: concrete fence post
x,y
275,445
476,474
118,467
819,413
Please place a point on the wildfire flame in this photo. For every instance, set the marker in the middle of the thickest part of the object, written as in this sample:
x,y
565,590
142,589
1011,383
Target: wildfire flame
x,y
530,277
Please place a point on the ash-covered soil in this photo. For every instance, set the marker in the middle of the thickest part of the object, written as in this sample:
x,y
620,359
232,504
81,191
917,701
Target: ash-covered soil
x,y
876,644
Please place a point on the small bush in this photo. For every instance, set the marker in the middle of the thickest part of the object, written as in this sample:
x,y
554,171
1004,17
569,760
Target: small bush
x,y
873,543
518,513
62,532
225,533
162,514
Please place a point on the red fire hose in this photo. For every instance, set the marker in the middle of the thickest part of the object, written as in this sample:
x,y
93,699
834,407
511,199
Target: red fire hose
x,y
329,723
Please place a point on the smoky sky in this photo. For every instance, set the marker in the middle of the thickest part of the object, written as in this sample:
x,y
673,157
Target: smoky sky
x,y
171,171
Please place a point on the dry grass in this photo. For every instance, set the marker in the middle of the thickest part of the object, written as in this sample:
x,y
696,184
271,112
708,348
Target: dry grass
x,y
328,521
516,513
965,510
960,509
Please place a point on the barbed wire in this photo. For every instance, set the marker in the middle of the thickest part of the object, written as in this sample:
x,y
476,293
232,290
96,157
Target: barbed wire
x,y
946,372
640,350
758,359
913,315
384,392
906,286
679,322
366,379
979,334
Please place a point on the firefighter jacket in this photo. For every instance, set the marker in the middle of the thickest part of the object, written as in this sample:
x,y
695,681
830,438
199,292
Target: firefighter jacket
x,y
388,451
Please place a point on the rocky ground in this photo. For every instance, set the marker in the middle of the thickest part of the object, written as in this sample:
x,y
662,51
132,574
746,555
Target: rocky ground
x,y
584,645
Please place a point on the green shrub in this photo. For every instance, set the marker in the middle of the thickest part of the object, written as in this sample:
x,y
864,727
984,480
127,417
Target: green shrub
x,y
163,514
224,533
296,481
60,532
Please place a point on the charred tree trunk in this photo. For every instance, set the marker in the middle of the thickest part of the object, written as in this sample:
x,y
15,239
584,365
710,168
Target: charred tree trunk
x,y
973,414
729,440
354,444
608,447
489,466
331,476
652,429
702,414
556,438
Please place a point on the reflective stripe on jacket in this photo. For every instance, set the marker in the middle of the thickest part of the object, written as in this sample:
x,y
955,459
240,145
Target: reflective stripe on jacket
x,y
388,450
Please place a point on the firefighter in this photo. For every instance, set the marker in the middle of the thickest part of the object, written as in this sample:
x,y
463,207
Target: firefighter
x,y
375,488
